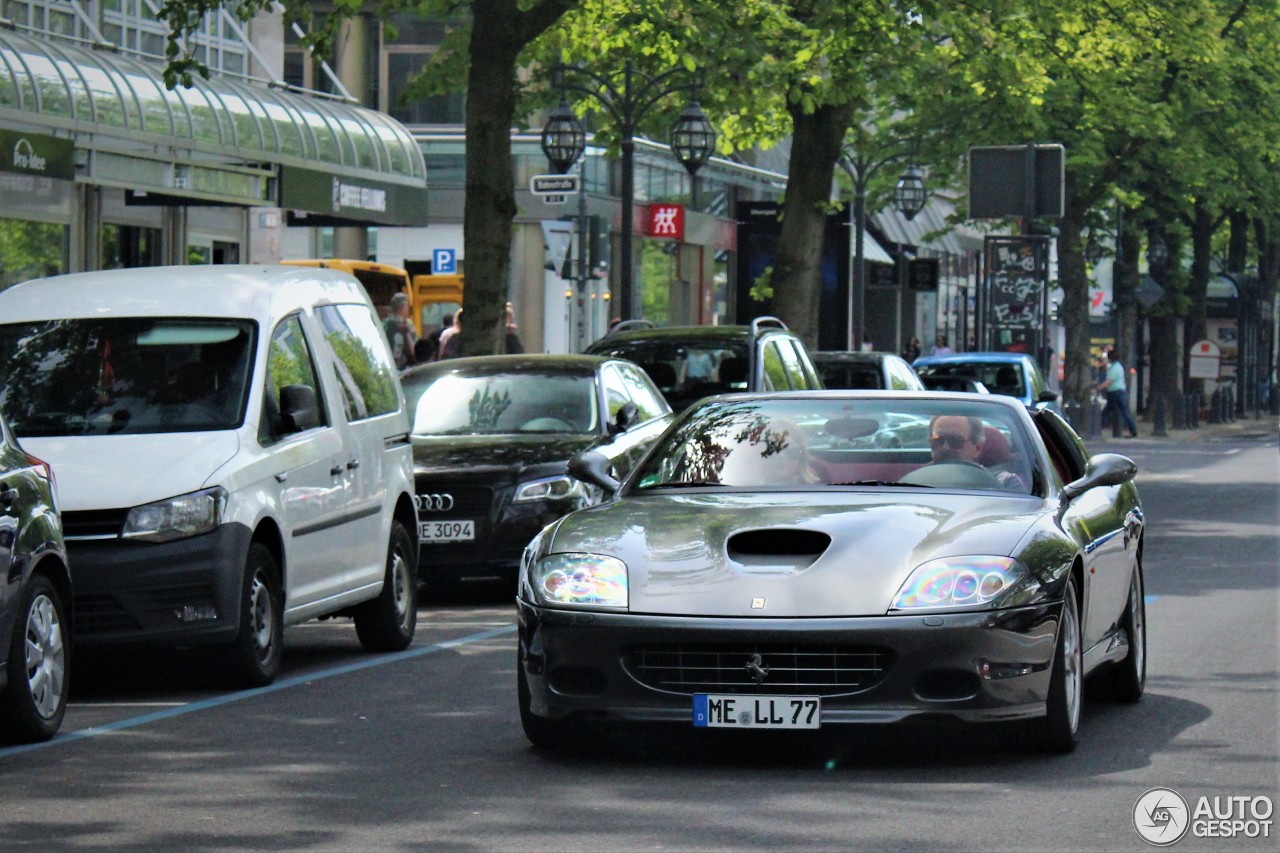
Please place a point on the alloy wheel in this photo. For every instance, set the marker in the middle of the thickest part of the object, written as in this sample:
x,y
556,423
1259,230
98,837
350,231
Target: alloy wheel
x,y
46,657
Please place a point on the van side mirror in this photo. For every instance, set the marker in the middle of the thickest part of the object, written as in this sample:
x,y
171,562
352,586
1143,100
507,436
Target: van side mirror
x,y
1047,396
298,409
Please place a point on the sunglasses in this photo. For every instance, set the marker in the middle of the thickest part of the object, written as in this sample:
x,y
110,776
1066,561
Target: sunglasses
x,y
953,441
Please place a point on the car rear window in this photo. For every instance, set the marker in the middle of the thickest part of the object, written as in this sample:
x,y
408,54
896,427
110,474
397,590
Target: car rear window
x,y
686,372
125,375
489,403
999,378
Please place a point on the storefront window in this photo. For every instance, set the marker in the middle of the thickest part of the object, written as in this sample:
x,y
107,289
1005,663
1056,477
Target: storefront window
x,y
657,272
30,250
130,246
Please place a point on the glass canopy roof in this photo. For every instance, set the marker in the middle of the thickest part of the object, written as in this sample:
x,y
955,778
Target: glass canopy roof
x,y
117,96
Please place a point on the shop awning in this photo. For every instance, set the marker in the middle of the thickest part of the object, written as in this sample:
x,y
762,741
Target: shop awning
x,y
221,140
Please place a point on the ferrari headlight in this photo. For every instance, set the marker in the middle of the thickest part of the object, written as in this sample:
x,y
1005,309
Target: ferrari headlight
x,y
968,582
177,518
580,580
549,488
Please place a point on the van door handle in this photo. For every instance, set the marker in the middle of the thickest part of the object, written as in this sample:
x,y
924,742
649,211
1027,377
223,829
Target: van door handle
x,y
335,470
353,464
282,476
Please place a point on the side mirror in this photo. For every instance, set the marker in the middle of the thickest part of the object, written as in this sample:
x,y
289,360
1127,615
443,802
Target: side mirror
x,y
1047,396
1104,469
625,418
298,409
592,467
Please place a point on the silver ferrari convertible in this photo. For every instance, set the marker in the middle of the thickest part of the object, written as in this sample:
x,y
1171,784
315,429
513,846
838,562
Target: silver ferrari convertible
x,y
813,559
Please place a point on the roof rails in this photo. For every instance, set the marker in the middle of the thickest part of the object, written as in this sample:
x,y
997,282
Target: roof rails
x,y
626,325
761,322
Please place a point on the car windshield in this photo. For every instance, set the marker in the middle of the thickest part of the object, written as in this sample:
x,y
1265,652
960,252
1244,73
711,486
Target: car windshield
x,y
833,442
685,372
849,374
125,375
999,378
490,403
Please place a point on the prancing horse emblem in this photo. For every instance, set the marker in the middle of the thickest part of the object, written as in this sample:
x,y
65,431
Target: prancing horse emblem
x,y
755,666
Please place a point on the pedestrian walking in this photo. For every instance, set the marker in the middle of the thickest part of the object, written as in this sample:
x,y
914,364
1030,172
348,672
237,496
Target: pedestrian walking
x,y
912,352
400,332
1117,394
941,347
431,343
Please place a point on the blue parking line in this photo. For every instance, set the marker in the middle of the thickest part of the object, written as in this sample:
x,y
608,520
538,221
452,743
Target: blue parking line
x,y
284,684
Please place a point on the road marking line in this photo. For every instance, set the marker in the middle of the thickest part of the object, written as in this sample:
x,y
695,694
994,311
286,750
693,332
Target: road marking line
x,y
284,684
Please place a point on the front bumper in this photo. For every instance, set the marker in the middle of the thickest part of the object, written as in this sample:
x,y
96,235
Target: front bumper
x,y
160,593
975,667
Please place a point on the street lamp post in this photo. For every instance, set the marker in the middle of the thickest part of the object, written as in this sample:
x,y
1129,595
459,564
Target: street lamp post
x,y
692,138
909,197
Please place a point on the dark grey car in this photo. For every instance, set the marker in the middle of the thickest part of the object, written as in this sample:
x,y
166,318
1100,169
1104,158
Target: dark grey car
x,y
765,567
35,595
688,363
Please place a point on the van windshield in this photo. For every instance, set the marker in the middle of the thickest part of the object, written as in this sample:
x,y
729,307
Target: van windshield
x,y
125,376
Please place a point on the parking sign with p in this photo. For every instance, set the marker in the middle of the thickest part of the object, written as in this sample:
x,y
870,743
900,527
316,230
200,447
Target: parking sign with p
x,y
444,261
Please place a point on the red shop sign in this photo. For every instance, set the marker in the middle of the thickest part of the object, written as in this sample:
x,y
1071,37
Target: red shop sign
x,y
666,220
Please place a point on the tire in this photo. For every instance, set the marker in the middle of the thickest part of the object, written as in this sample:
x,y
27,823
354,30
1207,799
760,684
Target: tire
x,y
1059,730
253,659
542,732
387,623
1127,680
34,702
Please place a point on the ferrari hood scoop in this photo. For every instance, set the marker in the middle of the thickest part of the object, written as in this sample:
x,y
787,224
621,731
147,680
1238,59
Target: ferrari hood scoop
x,y
777,549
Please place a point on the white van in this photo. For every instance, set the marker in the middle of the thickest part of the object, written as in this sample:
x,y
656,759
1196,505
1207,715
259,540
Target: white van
x,y
232,454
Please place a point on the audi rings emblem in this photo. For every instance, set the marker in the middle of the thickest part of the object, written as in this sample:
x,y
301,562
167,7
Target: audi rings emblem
x,y
434,503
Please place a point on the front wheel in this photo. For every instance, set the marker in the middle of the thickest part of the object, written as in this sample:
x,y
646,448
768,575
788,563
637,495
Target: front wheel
x,y
387,623
35,700
542,732
1127,680
254,656
1059,729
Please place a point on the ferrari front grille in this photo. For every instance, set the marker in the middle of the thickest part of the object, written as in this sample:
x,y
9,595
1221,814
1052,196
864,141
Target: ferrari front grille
x,y
758,668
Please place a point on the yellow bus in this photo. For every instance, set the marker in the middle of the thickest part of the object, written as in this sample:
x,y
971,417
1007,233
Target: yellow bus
x,y
430,296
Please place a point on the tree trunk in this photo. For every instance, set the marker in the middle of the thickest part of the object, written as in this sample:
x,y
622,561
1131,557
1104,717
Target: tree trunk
x,y
815,148
1196,327
490,206
1124,298
1077,376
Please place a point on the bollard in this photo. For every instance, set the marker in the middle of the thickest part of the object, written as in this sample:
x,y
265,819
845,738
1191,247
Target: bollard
x,y
1095,419
1194,407
1179,411
1215,407
1229,410
1157,428
1275,398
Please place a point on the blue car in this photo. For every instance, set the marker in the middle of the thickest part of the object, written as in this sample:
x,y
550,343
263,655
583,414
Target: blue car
x,y
1013,374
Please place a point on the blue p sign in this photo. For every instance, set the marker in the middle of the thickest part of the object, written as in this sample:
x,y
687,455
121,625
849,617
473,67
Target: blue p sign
x,y
444,261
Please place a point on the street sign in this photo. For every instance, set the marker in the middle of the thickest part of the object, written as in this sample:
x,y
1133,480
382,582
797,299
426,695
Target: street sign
x,y
554,199
999,175
1206,357
444,261
553,185
1148,292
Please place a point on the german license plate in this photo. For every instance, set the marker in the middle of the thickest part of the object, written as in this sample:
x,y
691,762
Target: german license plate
x,y
446,531
715,711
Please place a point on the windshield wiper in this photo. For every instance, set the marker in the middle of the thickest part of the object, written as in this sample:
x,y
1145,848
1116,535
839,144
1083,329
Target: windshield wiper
x,y
884,483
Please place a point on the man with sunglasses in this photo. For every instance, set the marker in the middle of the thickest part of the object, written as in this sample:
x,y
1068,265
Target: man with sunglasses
x,y
956,438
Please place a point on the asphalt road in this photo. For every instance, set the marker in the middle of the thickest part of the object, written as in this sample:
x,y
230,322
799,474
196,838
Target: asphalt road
x,y
423,750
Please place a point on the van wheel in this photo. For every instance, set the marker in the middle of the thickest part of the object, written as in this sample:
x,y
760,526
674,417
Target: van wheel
x,y
254,657
387,623
35,700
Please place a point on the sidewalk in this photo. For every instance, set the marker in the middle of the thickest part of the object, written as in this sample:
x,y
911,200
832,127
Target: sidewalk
x,y
1246,428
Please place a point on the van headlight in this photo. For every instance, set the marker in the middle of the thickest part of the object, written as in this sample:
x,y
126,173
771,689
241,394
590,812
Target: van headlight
x,y
579,580
177,518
